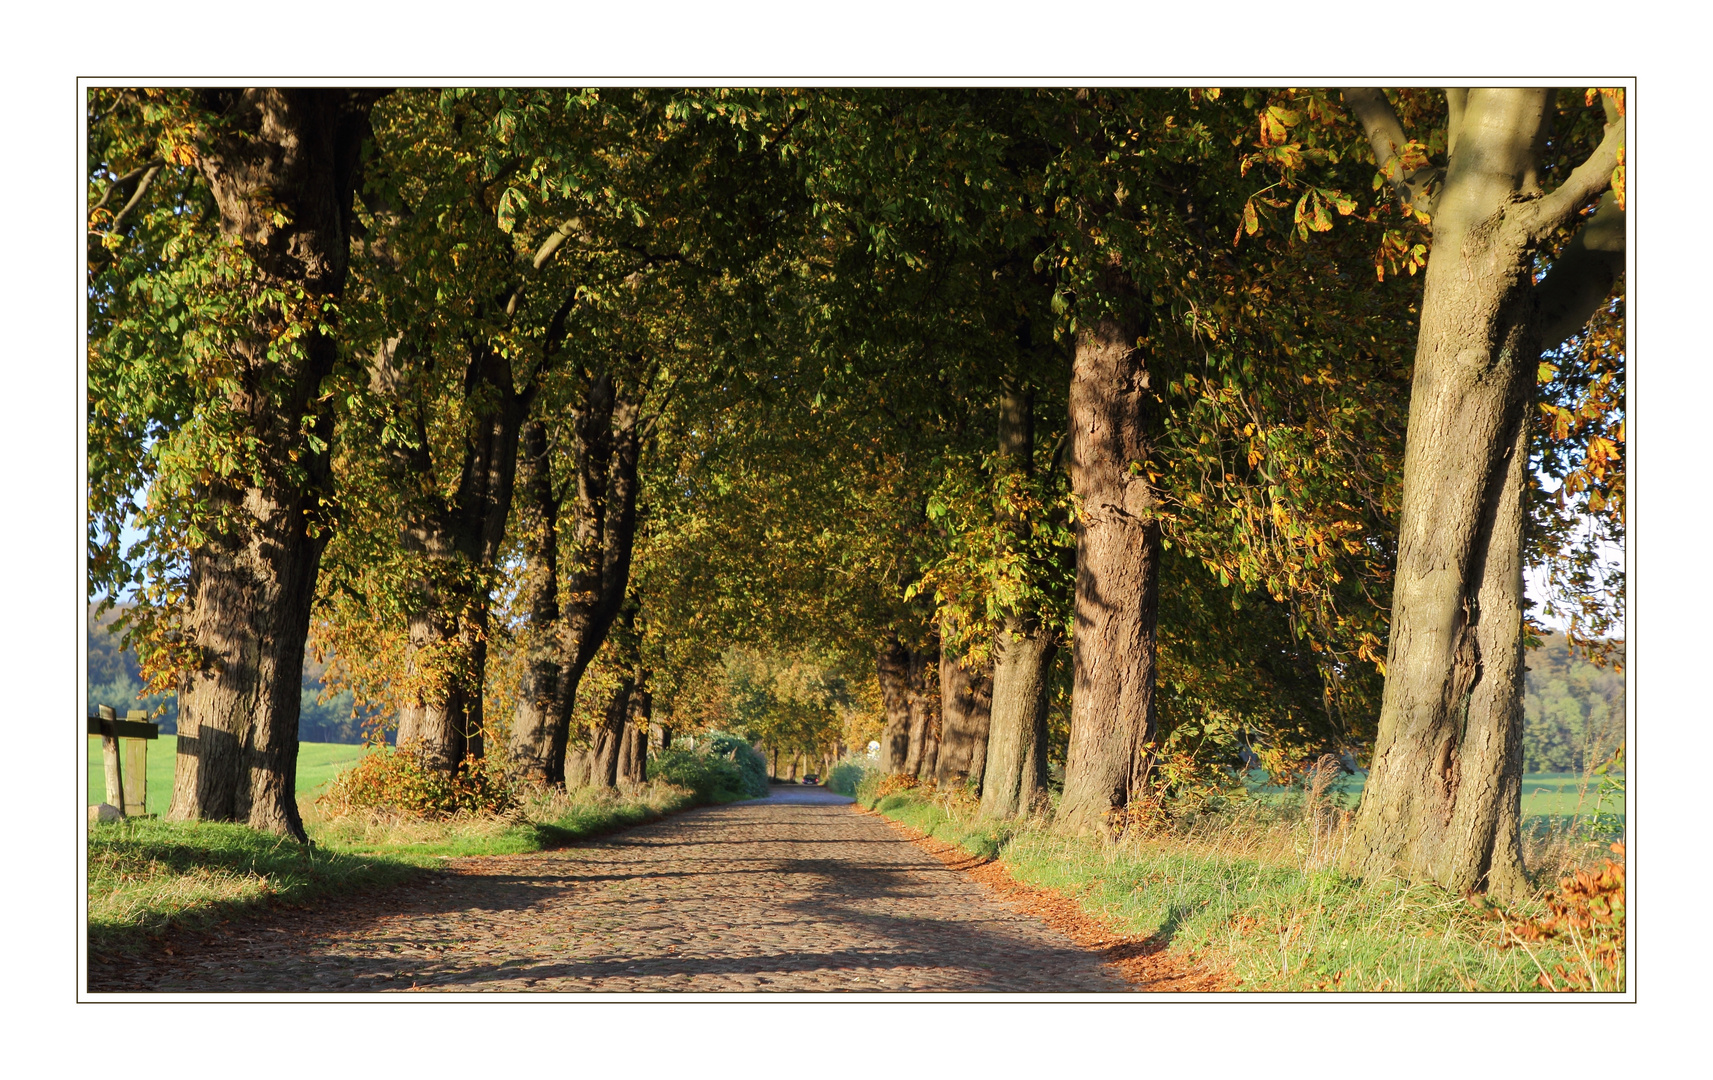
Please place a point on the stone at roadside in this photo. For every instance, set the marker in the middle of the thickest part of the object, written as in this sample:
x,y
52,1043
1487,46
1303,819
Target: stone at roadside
x,y
105,812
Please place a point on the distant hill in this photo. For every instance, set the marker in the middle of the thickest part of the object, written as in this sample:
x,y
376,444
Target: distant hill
x,y
1573,711
114,678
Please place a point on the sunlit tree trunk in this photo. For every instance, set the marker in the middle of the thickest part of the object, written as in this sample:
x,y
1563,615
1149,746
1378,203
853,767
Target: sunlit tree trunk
x,y
282,166
922,704
457,544
1442,800
965,700
634,767
1117,590
538,688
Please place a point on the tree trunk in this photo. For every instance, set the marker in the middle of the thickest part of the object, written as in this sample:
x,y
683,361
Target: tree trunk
x,y
1118,559
293,152
608,449
635,764
893,668
579,768
609,737
965,702
1016,758
531,740
457,544
922,740
1014,774
1443,798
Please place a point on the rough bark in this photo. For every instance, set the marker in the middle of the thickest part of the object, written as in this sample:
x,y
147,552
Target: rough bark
x,y
1016,771
1443,798
609,445
251,583
579,767
965,702
892,666
1118,558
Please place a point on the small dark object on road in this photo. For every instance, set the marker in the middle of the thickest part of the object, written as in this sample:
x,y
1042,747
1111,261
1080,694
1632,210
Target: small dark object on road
x,y
811,779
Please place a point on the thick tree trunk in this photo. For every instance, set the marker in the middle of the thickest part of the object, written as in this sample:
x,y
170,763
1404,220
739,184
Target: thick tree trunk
x,y
251,584
457,544
965,702
921,701
609,737
1118,559
609,446
1443,798
634,765
1016,756
893,669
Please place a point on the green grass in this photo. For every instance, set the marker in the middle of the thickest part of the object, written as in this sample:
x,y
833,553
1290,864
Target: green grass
x,y
1256,895
317,763
545,821
148,875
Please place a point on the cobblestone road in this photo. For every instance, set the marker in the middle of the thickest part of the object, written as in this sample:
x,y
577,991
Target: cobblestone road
x,y
797,893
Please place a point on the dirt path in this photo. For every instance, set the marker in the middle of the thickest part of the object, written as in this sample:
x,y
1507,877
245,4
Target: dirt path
x,y
793,893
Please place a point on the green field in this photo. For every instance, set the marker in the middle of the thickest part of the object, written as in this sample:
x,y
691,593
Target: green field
x,y
1545,795
317,763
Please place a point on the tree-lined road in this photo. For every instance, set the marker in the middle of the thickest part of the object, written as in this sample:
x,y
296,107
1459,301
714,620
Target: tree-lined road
x,y
791,893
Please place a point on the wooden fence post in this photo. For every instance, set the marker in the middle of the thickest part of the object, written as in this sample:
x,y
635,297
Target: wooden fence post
x,y
115,795
135,754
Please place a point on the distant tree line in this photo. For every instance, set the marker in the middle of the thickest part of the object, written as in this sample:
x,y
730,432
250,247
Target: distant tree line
x,y
1573,711
114,677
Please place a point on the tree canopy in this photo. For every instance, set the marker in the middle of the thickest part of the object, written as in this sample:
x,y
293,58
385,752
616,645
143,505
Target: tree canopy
x,y
813,416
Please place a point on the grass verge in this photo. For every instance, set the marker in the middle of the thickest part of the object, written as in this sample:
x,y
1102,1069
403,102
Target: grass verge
x,y
1254,892
148,876
543,820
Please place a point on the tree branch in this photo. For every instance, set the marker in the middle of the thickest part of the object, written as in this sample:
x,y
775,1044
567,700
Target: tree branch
x,y
136,197
1386,138
1583,275
1456,98
555,240
123,182
1589,179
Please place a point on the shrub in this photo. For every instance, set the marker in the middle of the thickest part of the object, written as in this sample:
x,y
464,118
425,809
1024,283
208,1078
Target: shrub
x,y
738,751
710,777
396,780
848,775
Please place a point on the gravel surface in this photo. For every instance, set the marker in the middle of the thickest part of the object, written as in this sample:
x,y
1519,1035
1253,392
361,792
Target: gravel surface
x,y
794,893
